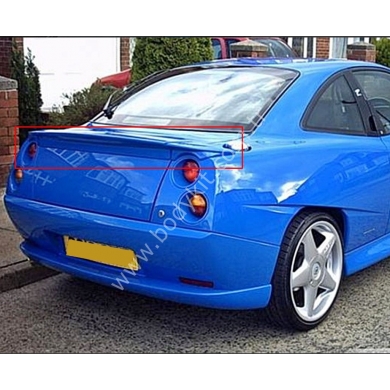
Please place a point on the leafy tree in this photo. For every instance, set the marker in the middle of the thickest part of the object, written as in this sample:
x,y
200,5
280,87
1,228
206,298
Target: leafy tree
x,y
24,71
82,106
152,54
382,51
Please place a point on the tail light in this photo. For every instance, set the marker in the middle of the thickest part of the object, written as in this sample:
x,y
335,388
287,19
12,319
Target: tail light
x,y
32,150
18,174
191,170
198,205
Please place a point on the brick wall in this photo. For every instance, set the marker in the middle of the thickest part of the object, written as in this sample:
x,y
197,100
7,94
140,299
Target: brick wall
x,y
322,47
19,43
5,56
361,51
9,117
124,53
249,49
6,51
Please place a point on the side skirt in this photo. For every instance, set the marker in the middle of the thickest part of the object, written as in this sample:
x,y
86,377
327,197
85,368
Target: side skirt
x,y
367,255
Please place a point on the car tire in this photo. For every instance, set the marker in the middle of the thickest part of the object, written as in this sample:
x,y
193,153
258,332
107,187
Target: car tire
x,y
308,272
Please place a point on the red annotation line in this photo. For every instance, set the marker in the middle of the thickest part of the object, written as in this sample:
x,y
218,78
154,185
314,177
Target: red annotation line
x,y
43,128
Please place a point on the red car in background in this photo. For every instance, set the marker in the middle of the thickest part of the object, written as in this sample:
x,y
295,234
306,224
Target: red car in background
x,y
221,48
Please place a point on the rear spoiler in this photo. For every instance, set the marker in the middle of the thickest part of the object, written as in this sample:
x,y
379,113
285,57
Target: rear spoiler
x,y
134,138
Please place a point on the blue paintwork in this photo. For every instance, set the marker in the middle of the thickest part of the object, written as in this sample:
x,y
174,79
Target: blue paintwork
x,y
236,244
44,225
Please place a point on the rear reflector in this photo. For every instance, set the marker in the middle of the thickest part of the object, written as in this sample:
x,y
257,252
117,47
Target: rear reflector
x,y
198,283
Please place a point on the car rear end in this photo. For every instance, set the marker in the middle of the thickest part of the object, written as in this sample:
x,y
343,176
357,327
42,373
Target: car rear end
x,y
139,209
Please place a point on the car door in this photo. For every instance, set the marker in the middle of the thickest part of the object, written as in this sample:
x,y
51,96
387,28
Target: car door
x,y
374,86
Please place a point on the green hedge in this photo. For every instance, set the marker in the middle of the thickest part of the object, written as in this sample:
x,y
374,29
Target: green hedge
x,y
82,106
152,54
382,51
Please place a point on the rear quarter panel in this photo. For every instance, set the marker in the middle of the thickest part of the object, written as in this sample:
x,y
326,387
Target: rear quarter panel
x,y
282,177
289,169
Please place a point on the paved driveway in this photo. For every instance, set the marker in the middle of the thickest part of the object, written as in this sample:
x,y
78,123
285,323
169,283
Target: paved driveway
x,y
64,314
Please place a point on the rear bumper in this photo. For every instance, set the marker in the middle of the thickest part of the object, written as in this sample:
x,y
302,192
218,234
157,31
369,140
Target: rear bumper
x,y
241,299
240,269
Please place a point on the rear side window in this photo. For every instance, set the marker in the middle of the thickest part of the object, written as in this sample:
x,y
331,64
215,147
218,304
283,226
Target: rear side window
x,y
376,88
336,110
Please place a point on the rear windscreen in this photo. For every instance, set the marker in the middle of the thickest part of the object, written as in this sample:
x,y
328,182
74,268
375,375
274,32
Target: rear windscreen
x,y
218,96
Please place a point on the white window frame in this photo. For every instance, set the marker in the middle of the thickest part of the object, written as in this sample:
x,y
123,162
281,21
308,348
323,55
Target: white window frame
x,y
357,39
305,45
314,50
131,50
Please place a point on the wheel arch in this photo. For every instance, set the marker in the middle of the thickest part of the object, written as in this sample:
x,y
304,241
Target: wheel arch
x,y
337,213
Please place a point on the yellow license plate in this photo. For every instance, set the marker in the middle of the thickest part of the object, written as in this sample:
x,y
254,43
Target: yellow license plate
x,y
105,254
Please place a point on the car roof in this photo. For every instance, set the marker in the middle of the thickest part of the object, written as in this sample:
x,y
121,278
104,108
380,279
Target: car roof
x,y
298,64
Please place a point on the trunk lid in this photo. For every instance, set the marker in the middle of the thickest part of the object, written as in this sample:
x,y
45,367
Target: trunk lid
x,y
113,172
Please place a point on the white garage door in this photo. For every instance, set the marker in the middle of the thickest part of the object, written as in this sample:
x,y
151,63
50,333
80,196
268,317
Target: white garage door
x,y
70,64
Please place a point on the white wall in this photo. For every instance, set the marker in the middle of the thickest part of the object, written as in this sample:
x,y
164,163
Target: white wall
x,y
70,64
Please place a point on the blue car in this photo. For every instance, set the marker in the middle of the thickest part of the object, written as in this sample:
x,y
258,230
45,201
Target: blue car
x,y
237,184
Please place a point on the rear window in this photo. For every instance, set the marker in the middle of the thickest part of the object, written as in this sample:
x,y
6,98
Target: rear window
x,y
207,97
